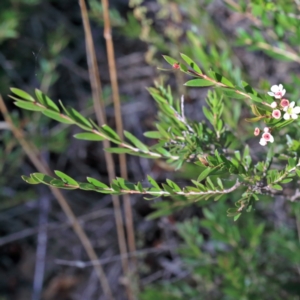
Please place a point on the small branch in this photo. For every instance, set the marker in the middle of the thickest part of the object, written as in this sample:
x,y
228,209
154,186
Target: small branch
x,y
182,193
33,154
104,261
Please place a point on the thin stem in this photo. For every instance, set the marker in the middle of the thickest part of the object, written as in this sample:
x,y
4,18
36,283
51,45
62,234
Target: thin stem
x,y
101,119
33,154
119,125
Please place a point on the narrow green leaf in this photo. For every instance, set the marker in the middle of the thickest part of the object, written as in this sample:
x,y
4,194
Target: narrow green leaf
x,y
168,189
255,110
209,182
43,178
22,94
153,182
191,63
235,218
86,186
61,185
110,133
253,120
118,150
152,134
223,80
57,116
88,136
97,183
140,187
204,174
170,60
45,100
173,185
66,178
220,183
78,118
30,180
199,83
29,105
276,187
138,144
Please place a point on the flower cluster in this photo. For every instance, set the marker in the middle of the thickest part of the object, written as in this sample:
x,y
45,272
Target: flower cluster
x,y
281,108
266,136
288,109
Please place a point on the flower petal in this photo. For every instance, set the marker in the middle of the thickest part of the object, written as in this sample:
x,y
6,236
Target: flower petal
x,y
274,88
271,94
280,87
283,92
271,139
263,142
294,116
286,116
296,110
292,104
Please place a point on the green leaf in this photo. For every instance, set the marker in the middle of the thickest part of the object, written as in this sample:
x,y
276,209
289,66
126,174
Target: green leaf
x,y
97,183
235,218
22,94
170,60
29,105
140,187
61,185
255,110
66,179
204,174
30,180
152,134
153,182
88,136
43,178
138,144
173,185
276,187
110,133
45,100
57,116
78,118
253,120
191,63
223,80
86,186
220,183
118,150
199,83
287,180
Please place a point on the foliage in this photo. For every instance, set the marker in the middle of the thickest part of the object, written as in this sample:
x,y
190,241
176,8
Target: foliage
x,y
217,151
220,155
236,262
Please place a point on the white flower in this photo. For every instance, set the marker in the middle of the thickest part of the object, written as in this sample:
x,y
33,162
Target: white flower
x,y
274,104
266,137
277,91
291,111
263,142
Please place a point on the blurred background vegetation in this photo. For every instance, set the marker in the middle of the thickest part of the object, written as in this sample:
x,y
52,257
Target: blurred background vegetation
x,y
194,253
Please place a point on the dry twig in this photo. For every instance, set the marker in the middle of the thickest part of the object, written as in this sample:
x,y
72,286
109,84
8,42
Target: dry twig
x,y
101,119
119,123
